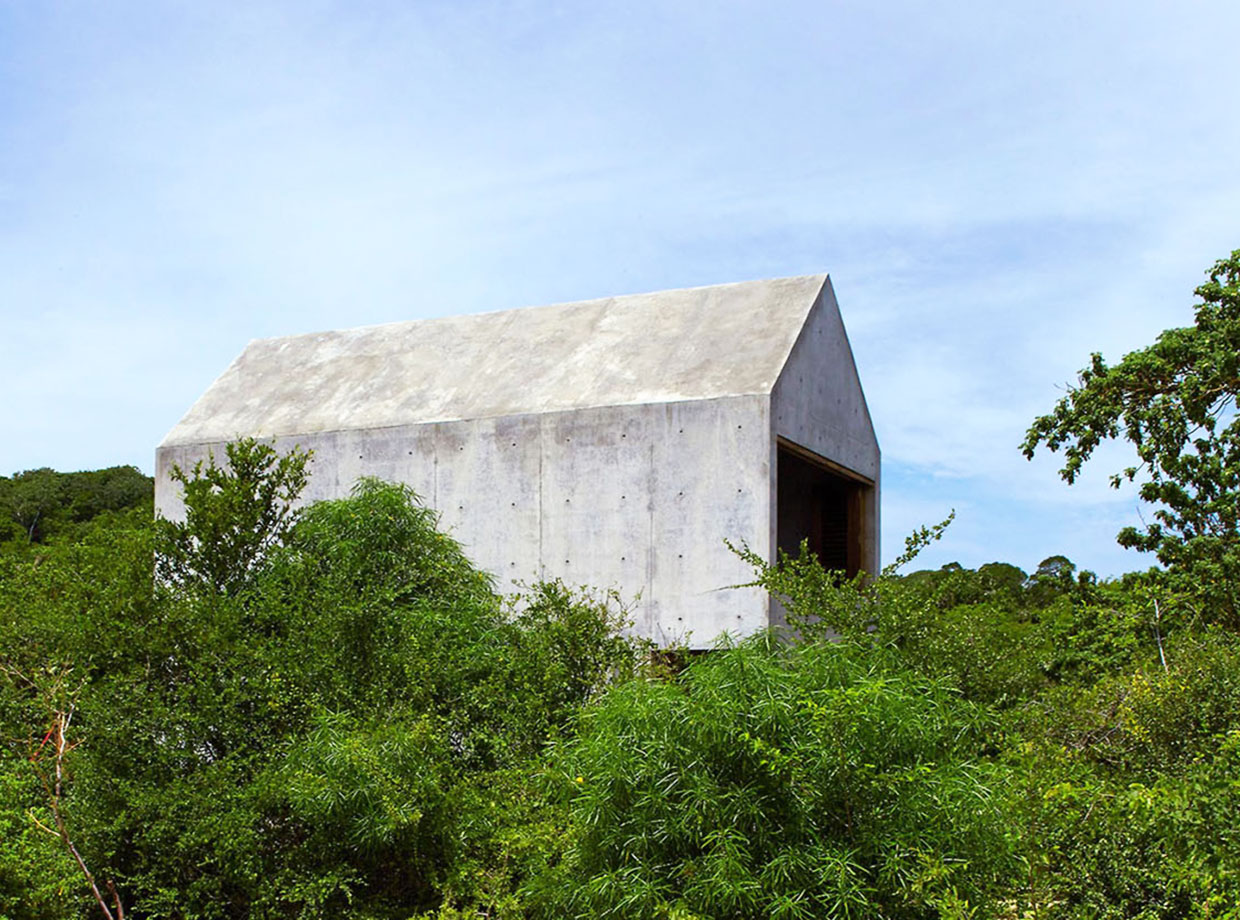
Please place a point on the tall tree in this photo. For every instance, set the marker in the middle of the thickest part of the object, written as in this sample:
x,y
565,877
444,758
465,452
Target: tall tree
x,y
1175,401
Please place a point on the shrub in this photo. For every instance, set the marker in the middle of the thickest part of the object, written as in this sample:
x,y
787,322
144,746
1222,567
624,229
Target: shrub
x,y
1129,789
772,781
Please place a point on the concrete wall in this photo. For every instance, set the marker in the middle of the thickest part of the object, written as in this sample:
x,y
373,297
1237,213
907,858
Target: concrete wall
x,y
639,498
818,403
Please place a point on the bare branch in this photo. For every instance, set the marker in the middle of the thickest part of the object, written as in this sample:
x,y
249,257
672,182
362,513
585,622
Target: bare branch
x,y
61,704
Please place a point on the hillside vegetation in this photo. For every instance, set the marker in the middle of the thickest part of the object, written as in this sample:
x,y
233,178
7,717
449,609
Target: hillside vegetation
x,y
330,712
354,724
38,505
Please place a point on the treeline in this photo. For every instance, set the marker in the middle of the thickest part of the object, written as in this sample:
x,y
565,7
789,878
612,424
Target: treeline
x,y
331,713
38,505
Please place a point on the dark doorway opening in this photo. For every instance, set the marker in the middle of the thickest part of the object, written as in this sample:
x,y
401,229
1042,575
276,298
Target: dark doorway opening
x,y
820,505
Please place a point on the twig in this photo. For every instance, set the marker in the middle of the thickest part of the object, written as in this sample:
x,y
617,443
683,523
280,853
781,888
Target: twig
x,y
54,787
53,782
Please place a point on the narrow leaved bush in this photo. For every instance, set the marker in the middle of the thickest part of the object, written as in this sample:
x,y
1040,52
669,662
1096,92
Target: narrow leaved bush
x,y
817,780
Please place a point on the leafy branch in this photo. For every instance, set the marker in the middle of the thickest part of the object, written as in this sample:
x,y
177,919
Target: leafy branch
x,y
1175,402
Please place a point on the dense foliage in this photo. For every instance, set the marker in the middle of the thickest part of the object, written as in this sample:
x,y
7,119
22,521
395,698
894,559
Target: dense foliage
x,y
803,781
40,504
342,730
266,713
1119,723
351,722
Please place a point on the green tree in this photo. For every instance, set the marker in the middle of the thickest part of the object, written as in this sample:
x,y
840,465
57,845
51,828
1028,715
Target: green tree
x,y
32,501
1128,789
1175,401
89,494
1054,577
234,515
947,624
79,606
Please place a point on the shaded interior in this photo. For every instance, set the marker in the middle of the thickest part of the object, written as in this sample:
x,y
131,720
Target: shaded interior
x,y
820,506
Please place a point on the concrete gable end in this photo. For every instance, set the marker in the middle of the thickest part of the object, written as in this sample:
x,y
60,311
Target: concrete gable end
x,y
824,452
818,401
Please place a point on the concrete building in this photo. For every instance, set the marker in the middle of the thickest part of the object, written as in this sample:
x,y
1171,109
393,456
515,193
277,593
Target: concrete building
x,y
613,443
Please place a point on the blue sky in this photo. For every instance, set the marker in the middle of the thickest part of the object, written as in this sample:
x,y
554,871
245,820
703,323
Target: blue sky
x,y
996,189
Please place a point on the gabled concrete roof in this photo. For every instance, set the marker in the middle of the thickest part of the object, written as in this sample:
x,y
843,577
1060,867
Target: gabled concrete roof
x,y
695,343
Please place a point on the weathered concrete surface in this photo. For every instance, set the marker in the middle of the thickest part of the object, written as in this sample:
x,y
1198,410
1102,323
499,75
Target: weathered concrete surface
x,y
638,498
818,403
698,343
612,443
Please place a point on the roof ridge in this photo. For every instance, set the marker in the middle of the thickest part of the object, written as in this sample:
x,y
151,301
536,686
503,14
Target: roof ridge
x,y
664,346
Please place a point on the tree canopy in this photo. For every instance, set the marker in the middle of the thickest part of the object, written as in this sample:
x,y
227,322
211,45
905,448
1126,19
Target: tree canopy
x,y
36,505
1175,402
